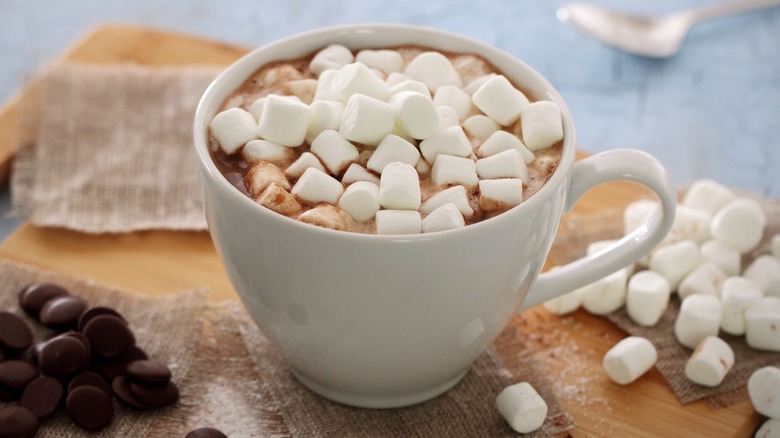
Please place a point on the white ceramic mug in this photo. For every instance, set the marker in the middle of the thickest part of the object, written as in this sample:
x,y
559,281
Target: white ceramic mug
x,y
388,321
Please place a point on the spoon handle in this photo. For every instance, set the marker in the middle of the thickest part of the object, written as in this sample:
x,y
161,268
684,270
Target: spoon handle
x,y
729,8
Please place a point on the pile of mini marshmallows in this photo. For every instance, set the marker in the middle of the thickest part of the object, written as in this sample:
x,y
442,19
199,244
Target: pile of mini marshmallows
x,y
701,260
412,118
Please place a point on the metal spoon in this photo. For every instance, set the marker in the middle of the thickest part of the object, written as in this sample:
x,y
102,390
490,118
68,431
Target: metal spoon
x,y
654,37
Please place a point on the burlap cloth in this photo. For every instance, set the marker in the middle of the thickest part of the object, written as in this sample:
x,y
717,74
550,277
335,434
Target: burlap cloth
x,y
113,150
232,379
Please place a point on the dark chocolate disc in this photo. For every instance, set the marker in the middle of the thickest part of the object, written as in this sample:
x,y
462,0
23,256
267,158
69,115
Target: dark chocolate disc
x,y
155,395
16,374
42,397
89,378
80,336
148,371
15,334
17,422
118,367
122,392
206,432
109,336
96,311
63,356
33,297
90,407
62,312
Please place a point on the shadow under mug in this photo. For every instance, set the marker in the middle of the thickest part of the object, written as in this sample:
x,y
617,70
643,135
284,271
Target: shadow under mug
x,y
388,321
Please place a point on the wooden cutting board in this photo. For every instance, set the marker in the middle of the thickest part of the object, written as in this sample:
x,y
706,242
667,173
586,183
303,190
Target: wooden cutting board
x,y
160,262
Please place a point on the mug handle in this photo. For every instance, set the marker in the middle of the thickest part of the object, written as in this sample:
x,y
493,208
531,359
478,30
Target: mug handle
x,y
618,164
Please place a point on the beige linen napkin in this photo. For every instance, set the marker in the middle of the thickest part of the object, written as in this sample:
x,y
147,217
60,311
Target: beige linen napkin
x,y
114,150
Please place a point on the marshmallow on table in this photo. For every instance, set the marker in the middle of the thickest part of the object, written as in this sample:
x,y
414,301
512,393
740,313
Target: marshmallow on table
x,y
276,198
675,261
393,149
769,429
415,114
765,272
445,217
303,89
388,61
542,124
399,187
691,224
737,294
334,56
764,391
706,278
233,128
454,195
563,304
699,317
360,200
605,295
449,141
500,100
261,175
522,407
507,164
501,141
256,151
305,161
366,120
434,70
708,196
411,86
355,172
629,359
284,121
455,98
452,170
324,90
327,216
325,114
357,78
317,186
762,324
740,224
723,255
477,82
334,151
647,297
480,126
398,222
710,362
498,194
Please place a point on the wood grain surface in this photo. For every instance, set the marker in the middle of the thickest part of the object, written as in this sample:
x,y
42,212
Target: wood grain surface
x,y
160,262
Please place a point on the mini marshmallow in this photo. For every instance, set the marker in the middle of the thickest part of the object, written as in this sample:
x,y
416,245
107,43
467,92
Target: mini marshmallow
x,y
356,78
774,246
415,114
449,141
500,100
447,117
317,186
422,167
434,70
706,278
629,359
477,82
355,172
699,317
398,222
637,213
396,78
501,141
455,98
452,170
740,224
445,217
647,297
765,272
334,151
388,61
325,114
284,121
507,164
366,120
605,295
399,187
710,362
411,86
542,125
769,429
276,198
564,304
499,194
737,294
360,200
762,324
233,128
261,175
522,407
454,195
764,391
393,149
327,216
708,196
480,126
675,261
263,150
256,108
324,87
305,161
303,89
691,224
334,57
723,255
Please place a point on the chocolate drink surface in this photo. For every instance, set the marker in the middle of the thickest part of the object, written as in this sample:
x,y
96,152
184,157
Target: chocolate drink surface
x,y
389,141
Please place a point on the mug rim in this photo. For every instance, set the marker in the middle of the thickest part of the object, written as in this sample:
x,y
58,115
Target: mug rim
x,y
471,45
